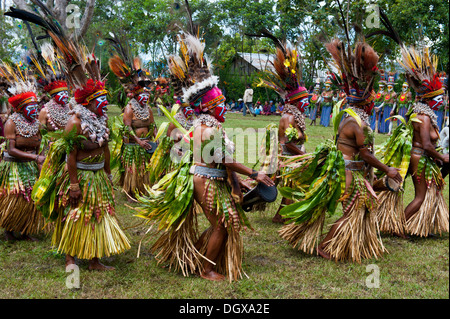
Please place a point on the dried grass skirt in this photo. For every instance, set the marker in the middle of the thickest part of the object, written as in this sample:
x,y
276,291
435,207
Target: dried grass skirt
x,y
90,230
17,211
432,216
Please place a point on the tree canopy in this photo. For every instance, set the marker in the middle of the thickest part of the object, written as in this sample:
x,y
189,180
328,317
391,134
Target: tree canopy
x,y
151,27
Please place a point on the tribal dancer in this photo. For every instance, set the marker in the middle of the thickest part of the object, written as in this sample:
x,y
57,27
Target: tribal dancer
x,y
211,181
326,104
75,188
427,213
343,172
21,161
315,104
377,112
389,101
286,81
403,102
138,129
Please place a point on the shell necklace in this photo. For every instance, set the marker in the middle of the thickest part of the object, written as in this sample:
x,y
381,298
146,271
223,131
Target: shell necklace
x,y
361,113
298,116
141,112
25,128
57,115
92,125
422,108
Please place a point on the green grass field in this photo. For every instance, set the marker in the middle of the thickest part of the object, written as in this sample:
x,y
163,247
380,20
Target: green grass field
x,y
415,268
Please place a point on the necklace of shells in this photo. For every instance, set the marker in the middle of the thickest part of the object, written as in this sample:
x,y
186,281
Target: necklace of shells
x,y
24,127
57,115
186,123
361,113
298,116
141,112
422,108
92,125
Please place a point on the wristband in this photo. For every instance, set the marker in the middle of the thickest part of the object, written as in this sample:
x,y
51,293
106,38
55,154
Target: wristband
x,y
254,174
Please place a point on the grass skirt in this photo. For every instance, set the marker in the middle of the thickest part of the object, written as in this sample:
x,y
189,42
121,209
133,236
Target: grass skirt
x,y
357,237
91,229
390,212
220,201
134,174
432,216
17,211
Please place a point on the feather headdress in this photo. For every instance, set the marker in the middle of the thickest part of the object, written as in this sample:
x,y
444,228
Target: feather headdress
x,y
18,85
47,70
128,69
358,67
190,70
420,66
81,68
286,76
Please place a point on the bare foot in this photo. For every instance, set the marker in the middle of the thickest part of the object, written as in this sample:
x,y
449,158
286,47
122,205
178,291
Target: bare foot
x,y
278,219
28,238
95,264
212,275
70,260
322,253
10,236
401,235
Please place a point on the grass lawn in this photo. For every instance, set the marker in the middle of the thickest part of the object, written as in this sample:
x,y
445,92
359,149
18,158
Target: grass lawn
x,y
415,268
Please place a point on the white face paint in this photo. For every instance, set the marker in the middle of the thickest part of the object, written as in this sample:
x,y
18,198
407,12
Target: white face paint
x,y
390,88
143,98
101,105
436,102
405,88
327,87
62,97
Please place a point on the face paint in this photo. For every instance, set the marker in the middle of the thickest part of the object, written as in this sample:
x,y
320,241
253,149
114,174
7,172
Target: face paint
x,y
327,87
187,112
143,98
405,88
61,97
390,88
303,104
436,102
101,105
219,112
30,111
381,88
